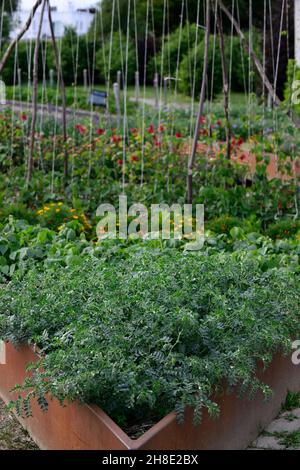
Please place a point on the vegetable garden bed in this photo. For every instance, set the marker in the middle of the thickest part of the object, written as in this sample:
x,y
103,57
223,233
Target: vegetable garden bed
x,y
87,427
141,333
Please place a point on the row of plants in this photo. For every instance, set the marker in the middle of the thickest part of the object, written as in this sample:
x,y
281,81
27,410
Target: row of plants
x,y
22,244
151,162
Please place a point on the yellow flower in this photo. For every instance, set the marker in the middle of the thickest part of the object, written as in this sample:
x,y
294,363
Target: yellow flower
x,y
75,217
57,210
60,204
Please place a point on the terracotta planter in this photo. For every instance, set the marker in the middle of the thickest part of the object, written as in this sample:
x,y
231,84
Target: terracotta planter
x,y
87,427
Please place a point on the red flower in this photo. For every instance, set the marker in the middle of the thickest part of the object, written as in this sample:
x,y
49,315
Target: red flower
x,y
24,117
134,131
120,162
100,131
219,122
81,129
116,139
161,128
134,158
233,141
243,157
240,141
202,120
151,129
157,143
178,135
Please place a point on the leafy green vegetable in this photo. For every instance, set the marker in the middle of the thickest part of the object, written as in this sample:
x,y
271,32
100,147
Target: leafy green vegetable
x,y
148,331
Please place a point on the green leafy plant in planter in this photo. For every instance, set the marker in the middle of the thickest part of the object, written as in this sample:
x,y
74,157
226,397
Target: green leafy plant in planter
x,y
149,332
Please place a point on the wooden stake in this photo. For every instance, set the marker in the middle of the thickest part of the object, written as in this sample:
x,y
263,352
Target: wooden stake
x,y
156,92
119,79
63,91
118,103
51,77
137,87
201,108
35,94
19,77
85,79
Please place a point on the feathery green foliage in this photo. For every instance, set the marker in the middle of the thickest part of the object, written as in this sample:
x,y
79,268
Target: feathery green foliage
x,y
146,332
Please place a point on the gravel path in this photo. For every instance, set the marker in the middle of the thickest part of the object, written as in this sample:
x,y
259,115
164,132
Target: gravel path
x,y
282,434
12,435
151,102
50,109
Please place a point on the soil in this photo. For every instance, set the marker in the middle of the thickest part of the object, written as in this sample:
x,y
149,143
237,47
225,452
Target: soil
x,y
12,435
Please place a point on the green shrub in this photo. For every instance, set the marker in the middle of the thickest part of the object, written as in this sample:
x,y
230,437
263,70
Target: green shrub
x,y
174,47
137,340
240,66
286,228
71,46
18,211
9,73
223,224
118,55
186,70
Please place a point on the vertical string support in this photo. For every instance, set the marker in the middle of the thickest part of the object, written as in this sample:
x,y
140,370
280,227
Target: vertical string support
x,y
63,91
226,90
192,158
35,95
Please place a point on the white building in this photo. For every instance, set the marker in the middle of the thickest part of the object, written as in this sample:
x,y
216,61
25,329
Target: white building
x,y
65,13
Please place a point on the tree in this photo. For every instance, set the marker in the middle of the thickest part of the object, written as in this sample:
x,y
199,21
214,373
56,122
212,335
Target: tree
x,y
7,8
277,69
76,55
173,10
118,53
